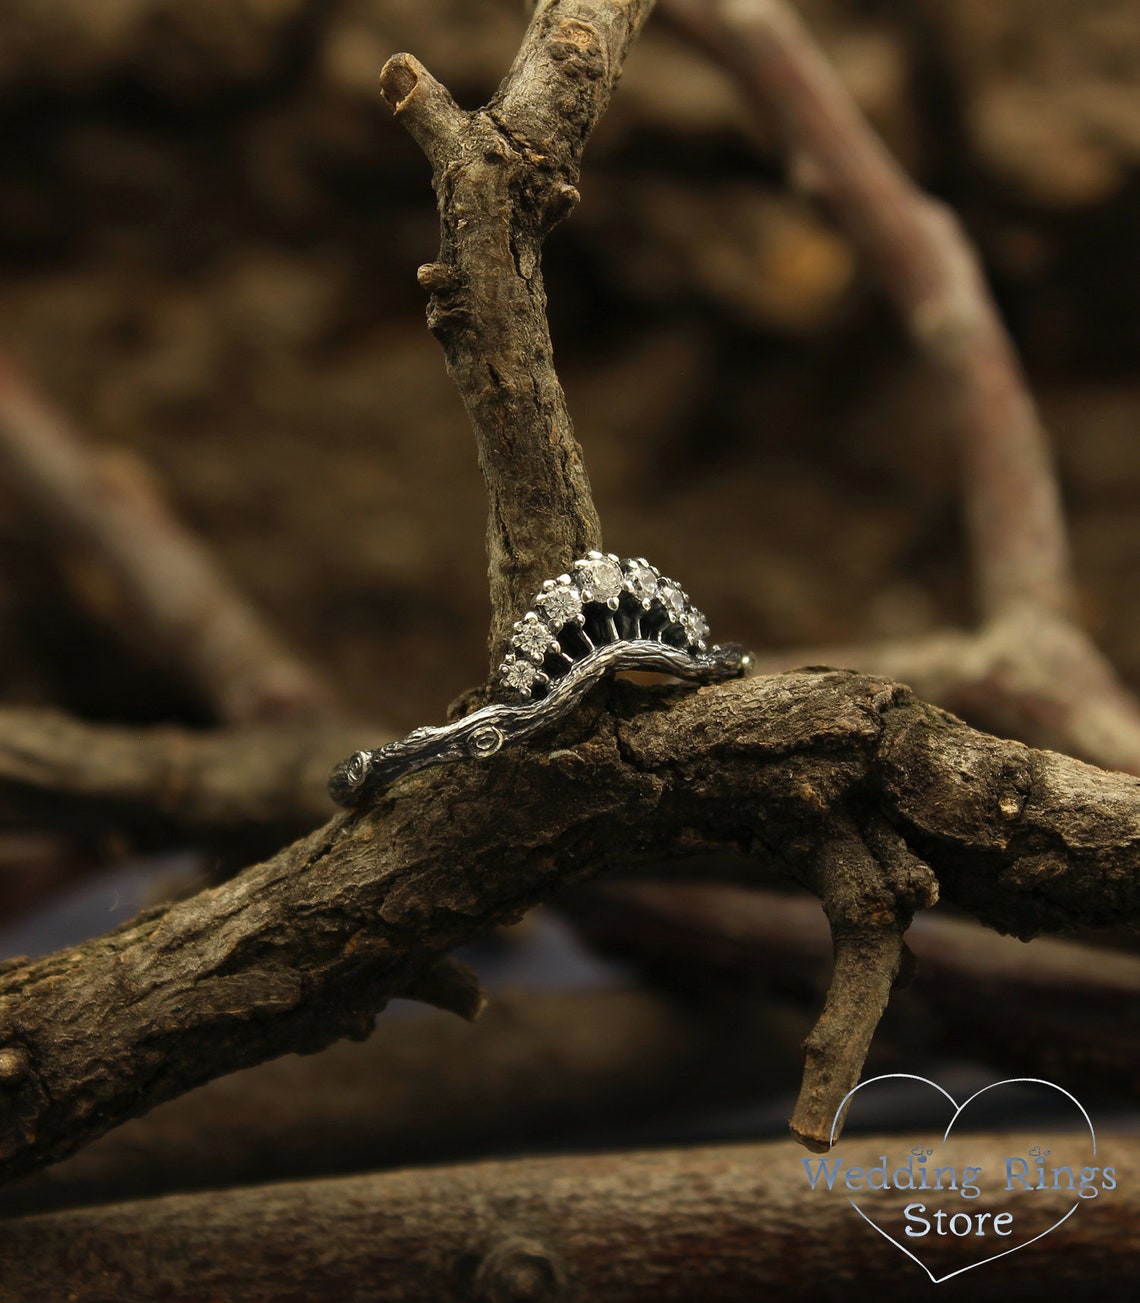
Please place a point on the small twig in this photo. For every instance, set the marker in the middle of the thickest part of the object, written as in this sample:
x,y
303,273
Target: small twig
x,y
1048,1008
732,1223
536,1067
505,175
870,886
110,509
866,965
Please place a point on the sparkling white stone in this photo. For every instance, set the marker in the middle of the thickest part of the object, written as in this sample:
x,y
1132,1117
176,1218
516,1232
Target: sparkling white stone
x,y
641,580
696,627
599,578
673,597
532,638
559,605
519,676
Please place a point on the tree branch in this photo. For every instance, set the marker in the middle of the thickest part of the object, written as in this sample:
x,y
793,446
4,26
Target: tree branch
x,y
504,176
303,949
731,1223
1030,669
1027,674
925,262
843,781
536,1067
869,899
109,509
1056,1009
273,774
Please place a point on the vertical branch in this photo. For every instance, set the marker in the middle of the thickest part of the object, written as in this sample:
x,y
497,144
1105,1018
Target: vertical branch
x,y
504,176
870,885
867,963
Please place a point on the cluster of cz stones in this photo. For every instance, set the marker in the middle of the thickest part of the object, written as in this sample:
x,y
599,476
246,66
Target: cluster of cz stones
x,y
602,600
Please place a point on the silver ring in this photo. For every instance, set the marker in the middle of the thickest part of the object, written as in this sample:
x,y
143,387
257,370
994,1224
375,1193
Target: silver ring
x,y
605,615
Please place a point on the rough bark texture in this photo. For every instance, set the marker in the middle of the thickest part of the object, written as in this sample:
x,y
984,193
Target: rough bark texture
x,y
505,175
871,799
535,1068
682,1226
307,947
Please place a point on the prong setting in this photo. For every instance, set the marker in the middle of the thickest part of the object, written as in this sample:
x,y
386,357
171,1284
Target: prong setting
x,y
601,600
605,614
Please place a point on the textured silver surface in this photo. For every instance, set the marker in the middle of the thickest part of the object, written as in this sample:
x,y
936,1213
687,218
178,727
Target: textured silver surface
x,y
604,616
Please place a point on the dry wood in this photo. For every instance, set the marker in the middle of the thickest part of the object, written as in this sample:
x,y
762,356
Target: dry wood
x,y
1030,670
505,175
303,949
536,1068
871,799
675,1226
169,590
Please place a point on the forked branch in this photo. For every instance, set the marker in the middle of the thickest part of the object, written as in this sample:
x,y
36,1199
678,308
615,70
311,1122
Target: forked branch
x,y
1030,670
306,948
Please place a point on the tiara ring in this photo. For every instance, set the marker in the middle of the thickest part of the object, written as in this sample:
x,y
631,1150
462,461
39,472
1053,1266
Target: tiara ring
x,y
605,615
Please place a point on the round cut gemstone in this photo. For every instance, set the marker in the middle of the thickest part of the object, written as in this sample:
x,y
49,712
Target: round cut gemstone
x,y
518,676
599,578
673,596
560,605
641,580
695,625
532,638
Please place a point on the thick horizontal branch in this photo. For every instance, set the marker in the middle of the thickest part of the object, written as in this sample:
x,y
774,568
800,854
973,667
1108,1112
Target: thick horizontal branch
x,y
732,1224
108,511
504,176
535,1067
303,949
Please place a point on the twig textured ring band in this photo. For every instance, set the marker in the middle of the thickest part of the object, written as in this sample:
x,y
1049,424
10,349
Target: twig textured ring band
x,y
605,615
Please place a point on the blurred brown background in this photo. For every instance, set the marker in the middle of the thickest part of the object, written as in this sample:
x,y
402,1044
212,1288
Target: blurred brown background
x,y
209,230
